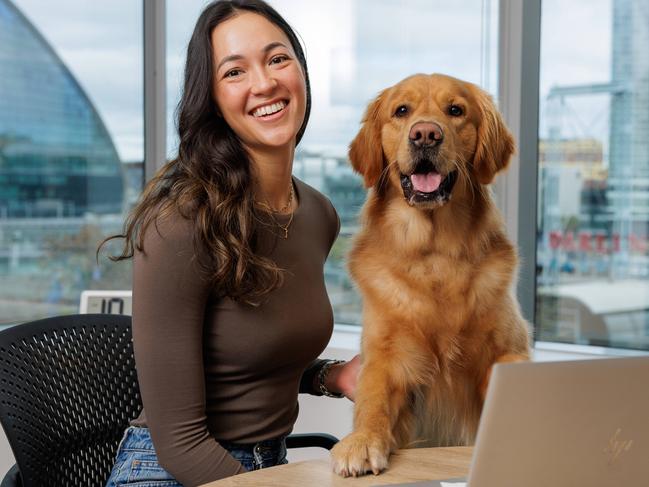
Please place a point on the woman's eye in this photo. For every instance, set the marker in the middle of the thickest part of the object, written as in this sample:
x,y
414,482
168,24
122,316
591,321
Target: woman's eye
x,y
401,111
455,111
278,59
232,73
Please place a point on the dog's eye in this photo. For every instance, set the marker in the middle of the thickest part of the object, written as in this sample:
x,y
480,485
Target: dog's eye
x,y
401,111
455,110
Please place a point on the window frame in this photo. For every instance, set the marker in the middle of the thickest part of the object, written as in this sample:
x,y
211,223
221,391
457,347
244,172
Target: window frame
x,y
519,50
155,86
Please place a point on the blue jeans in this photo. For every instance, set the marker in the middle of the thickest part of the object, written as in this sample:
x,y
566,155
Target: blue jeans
x,y
136,463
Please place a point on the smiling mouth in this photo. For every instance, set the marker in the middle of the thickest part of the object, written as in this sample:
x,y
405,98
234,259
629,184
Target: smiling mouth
x,y
427,185
268,110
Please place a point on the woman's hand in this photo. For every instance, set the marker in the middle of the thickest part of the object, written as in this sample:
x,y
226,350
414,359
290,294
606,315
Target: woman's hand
x,y
343,377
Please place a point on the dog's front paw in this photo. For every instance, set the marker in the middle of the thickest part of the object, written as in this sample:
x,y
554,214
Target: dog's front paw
x,y
359,453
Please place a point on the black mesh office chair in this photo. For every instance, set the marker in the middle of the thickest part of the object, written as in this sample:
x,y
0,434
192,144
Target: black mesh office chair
x,y
68,389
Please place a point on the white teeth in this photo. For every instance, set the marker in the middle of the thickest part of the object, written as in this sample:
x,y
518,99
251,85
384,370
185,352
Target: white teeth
x,y
269,109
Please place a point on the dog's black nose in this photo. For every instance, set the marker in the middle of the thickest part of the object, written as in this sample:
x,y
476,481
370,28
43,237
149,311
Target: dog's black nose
x,y
426,134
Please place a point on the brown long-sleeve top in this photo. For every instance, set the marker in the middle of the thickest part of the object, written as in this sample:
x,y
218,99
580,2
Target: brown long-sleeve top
x,y
213,369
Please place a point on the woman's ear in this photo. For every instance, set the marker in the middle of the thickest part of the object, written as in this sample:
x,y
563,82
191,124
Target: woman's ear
x,y
495,144
366,151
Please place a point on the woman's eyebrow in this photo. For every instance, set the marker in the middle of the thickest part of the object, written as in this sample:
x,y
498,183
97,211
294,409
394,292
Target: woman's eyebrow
x,y
236,57
273,45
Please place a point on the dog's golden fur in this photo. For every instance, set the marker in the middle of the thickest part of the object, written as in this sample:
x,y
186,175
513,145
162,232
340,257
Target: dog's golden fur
x,y
435,276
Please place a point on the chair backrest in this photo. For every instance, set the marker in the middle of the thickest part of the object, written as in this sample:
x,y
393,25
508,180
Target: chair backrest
x,y
68,389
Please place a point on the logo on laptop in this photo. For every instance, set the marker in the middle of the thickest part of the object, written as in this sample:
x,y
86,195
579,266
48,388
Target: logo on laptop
x,y
617,446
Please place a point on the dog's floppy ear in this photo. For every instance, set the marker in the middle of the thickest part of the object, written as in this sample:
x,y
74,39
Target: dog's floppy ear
x,y
495,144
366,151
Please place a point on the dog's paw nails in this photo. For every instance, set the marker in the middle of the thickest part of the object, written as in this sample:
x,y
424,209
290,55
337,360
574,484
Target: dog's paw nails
x,y
359,453
378,461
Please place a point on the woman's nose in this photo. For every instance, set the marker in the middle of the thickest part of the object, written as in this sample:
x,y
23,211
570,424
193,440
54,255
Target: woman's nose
x,y
263,81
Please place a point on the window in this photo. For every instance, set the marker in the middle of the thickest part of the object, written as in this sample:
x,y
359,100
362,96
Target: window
x,y
71,148
593,213
355,49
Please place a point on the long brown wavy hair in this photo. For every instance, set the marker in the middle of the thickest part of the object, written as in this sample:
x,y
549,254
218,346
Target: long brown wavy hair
x,y
211,178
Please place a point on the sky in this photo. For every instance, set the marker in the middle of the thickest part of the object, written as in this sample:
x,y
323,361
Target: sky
x,y
101,43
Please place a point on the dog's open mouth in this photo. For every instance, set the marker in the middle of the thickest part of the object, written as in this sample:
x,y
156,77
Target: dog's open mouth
x,y
426,185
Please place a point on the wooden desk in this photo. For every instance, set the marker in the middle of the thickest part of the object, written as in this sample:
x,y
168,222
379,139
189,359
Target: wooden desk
x,y
405,466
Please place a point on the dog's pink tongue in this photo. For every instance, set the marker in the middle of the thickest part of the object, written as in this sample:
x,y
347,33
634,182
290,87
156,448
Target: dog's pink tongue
x,y
426,183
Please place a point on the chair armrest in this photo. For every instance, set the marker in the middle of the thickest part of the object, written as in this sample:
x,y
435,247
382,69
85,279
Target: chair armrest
x,y
12,478
306,440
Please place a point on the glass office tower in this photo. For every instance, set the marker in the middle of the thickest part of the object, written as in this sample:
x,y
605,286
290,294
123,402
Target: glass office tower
x,y
56,156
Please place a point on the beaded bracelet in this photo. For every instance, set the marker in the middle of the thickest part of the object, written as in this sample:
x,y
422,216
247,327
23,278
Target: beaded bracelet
x,y
322,375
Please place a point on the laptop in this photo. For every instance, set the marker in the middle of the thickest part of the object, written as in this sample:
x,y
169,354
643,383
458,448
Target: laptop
x,y
563,424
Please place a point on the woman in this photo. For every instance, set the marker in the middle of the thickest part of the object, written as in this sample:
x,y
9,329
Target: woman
x,y
229,303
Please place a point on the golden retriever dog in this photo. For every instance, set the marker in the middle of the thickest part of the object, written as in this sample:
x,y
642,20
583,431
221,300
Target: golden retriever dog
x,y
434,267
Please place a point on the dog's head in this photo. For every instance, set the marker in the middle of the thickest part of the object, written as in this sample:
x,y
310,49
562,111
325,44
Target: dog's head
x,y
427,132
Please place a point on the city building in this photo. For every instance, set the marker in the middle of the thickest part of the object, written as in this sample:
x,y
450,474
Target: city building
x,y
56,157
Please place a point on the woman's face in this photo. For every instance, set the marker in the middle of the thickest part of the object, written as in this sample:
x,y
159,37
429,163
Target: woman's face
x,y
258,84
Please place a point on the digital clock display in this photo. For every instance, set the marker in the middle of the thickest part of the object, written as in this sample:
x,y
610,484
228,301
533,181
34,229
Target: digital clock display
x,y
106,302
